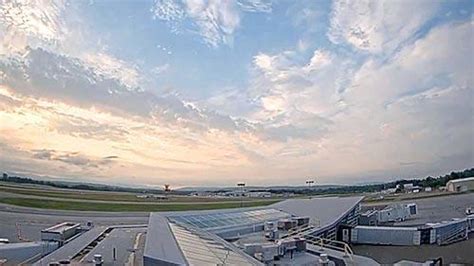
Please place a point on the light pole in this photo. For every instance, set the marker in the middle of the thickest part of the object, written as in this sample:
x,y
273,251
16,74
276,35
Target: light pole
x,y
242,186
309,182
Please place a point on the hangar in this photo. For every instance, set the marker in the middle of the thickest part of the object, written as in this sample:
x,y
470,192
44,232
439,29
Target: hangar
x,y
460,185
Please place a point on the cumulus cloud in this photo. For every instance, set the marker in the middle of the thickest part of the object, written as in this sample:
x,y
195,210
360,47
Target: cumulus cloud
x,y
400,109
288,98
374,116
285,85
318,61
378,26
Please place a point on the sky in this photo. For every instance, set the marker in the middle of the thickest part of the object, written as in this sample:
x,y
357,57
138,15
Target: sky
x,y
215,92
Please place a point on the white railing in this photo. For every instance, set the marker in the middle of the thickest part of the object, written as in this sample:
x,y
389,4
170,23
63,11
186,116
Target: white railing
x,y
331,244
306,228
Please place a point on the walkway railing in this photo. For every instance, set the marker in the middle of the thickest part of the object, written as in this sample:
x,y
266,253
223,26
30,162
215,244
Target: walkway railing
x,y
331,244
306,230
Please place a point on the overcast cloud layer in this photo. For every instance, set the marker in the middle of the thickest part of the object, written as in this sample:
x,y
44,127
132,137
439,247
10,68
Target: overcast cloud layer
x,y
216,92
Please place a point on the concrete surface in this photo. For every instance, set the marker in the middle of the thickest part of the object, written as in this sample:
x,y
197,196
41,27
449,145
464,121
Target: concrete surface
x,y
126,241
32,221
435,209
461,252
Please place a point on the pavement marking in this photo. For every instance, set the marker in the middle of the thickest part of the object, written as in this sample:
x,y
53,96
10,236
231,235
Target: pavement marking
x,y
131,258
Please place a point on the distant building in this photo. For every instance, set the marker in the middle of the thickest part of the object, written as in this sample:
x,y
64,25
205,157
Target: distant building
x,y
151,196
460,185
410,188
262,194
389,191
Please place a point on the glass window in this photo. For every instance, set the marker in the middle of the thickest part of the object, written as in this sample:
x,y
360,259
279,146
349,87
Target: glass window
x,y
217,220
203,250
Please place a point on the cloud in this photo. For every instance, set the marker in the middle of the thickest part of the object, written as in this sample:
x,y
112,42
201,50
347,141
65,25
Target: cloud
x,y
286,97
168,10
111,67
298,126
52,25
415,107
264,6
378,26
31,20
318,61
78,141
86,128
159,70
71,158
372,114
287,85
419,67
215,21
404,96
43,74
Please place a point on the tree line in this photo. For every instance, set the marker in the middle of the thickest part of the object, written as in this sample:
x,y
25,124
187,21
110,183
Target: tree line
x,y
66,185
433,182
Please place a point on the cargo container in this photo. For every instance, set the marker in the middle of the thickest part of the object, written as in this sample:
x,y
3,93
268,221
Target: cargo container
x,y
395,213
448,232
369,217
60,232
382,235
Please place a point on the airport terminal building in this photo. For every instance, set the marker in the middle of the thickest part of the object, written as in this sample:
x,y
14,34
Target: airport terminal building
x,y
303,231
234,236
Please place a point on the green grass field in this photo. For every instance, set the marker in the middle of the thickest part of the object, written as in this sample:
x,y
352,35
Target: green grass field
x,y
411,196
102,196
121,207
